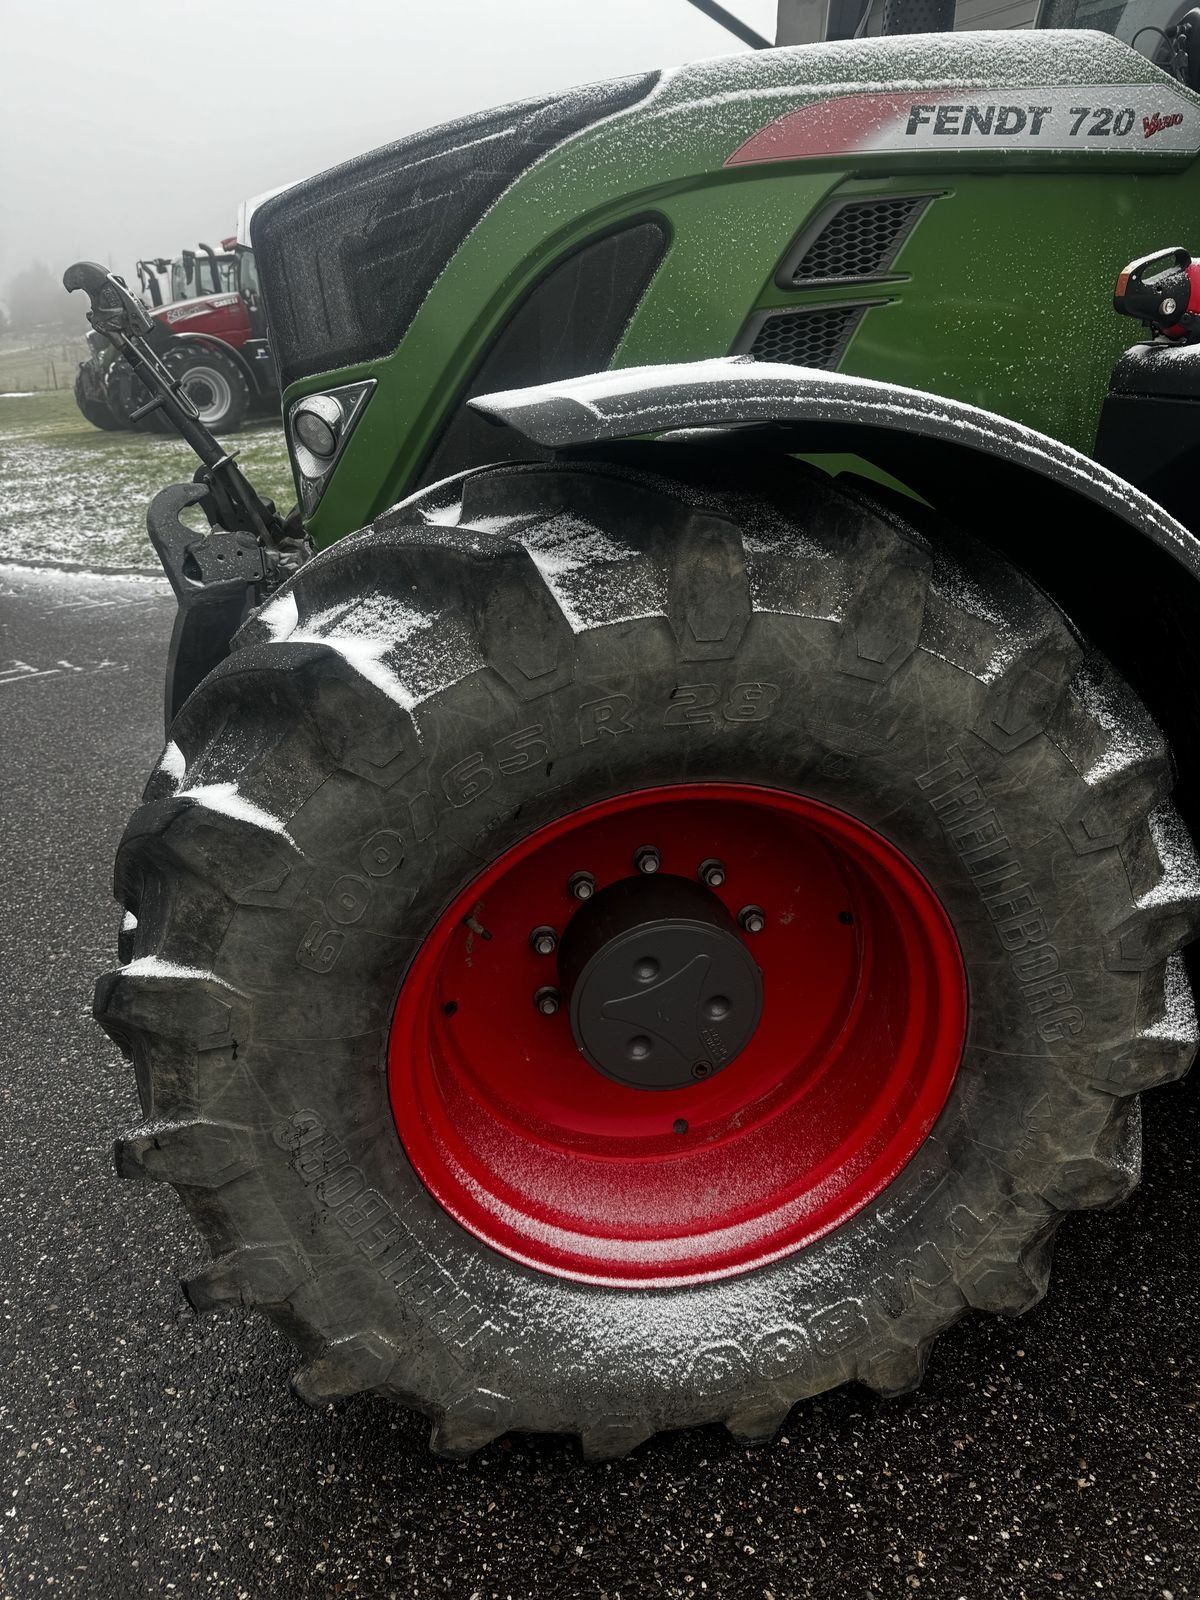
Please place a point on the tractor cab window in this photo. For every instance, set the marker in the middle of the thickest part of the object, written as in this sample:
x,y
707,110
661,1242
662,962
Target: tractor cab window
x,y
1141,24
183,283
247,273
192,276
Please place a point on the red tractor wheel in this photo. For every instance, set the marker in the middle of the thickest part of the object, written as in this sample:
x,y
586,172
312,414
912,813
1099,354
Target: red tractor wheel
x,y
610,952
213,380
799,1019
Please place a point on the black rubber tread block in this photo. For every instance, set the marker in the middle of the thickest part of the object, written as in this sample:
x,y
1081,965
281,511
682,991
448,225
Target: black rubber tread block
x,y
1164,1046
364,1360
470,1423
255,1275
248,864
197,1154
1161,862
897,1369
1114,744
1110,1171
168,1003
1011,1284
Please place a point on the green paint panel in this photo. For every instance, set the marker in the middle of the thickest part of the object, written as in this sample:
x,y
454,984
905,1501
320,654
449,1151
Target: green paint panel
x,y
1002,295
1007,303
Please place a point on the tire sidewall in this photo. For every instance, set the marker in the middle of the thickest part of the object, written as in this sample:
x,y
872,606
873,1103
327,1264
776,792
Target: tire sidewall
x,y
329,957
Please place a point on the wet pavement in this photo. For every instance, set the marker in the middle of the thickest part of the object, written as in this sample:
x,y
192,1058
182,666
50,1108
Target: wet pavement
x,y
145,1452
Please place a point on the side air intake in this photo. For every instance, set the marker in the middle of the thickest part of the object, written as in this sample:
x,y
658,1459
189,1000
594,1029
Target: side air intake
x,y
853,239
809,338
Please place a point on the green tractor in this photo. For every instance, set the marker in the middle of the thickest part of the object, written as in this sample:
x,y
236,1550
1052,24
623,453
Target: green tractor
x,y
663,887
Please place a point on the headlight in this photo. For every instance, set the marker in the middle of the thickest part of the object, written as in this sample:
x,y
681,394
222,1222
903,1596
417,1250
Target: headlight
x,y
317,423
318,427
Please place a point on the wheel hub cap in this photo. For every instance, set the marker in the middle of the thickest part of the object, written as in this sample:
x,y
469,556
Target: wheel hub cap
x,y
663,991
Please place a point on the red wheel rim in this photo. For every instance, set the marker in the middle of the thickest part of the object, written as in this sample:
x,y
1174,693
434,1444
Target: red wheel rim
x,y
546,1159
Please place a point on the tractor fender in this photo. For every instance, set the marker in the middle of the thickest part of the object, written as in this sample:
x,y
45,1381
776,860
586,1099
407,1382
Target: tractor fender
x,y
828,411
235,355
1120,566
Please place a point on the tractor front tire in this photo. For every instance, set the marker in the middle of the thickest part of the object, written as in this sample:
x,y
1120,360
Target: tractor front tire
x,y
904,783
124,392
94,411
214,382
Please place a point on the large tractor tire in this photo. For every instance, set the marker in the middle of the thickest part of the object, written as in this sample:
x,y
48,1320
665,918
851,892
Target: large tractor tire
x,y
94,410
211,379
124,392
612,952
214,382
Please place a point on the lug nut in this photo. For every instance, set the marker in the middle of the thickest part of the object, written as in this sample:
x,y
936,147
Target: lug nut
x,y
581,885
752,919
712,872
647,858
547,1001
543,940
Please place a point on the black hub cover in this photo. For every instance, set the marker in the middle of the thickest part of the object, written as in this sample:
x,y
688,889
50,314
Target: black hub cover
x,y
662,988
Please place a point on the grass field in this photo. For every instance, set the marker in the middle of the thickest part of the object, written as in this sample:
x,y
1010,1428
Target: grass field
x,y
43,363
72,495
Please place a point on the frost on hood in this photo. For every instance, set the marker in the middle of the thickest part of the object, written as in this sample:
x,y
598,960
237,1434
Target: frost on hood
x,y
737,94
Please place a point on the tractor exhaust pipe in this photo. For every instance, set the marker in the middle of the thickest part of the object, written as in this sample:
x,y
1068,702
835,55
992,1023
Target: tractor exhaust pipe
x,y
212,267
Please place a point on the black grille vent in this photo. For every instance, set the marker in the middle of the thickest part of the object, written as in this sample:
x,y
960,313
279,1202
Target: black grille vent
x,y
806,338
860,239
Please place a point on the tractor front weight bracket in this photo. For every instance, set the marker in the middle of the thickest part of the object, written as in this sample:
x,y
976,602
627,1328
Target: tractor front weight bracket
x,y
216,576
207,568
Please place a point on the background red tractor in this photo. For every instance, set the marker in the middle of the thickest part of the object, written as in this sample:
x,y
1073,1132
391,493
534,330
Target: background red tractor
x,y
210,333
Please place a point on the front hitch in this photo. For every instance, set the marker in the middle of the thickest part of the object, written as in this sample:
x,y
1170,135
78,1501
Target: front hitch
x,y
250,549
231,502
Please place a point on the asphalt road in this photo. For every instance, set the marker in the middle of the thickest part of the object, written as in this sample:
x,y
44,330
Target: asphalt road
x,y
145,1452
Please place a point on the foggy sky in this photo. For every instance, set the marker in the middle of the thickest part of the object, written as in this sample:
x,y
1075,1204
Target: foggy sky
x,y
133,127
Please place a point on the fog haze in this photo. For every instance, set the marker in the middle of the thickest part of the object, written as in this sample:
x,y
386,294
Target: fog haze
x,y
134,127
